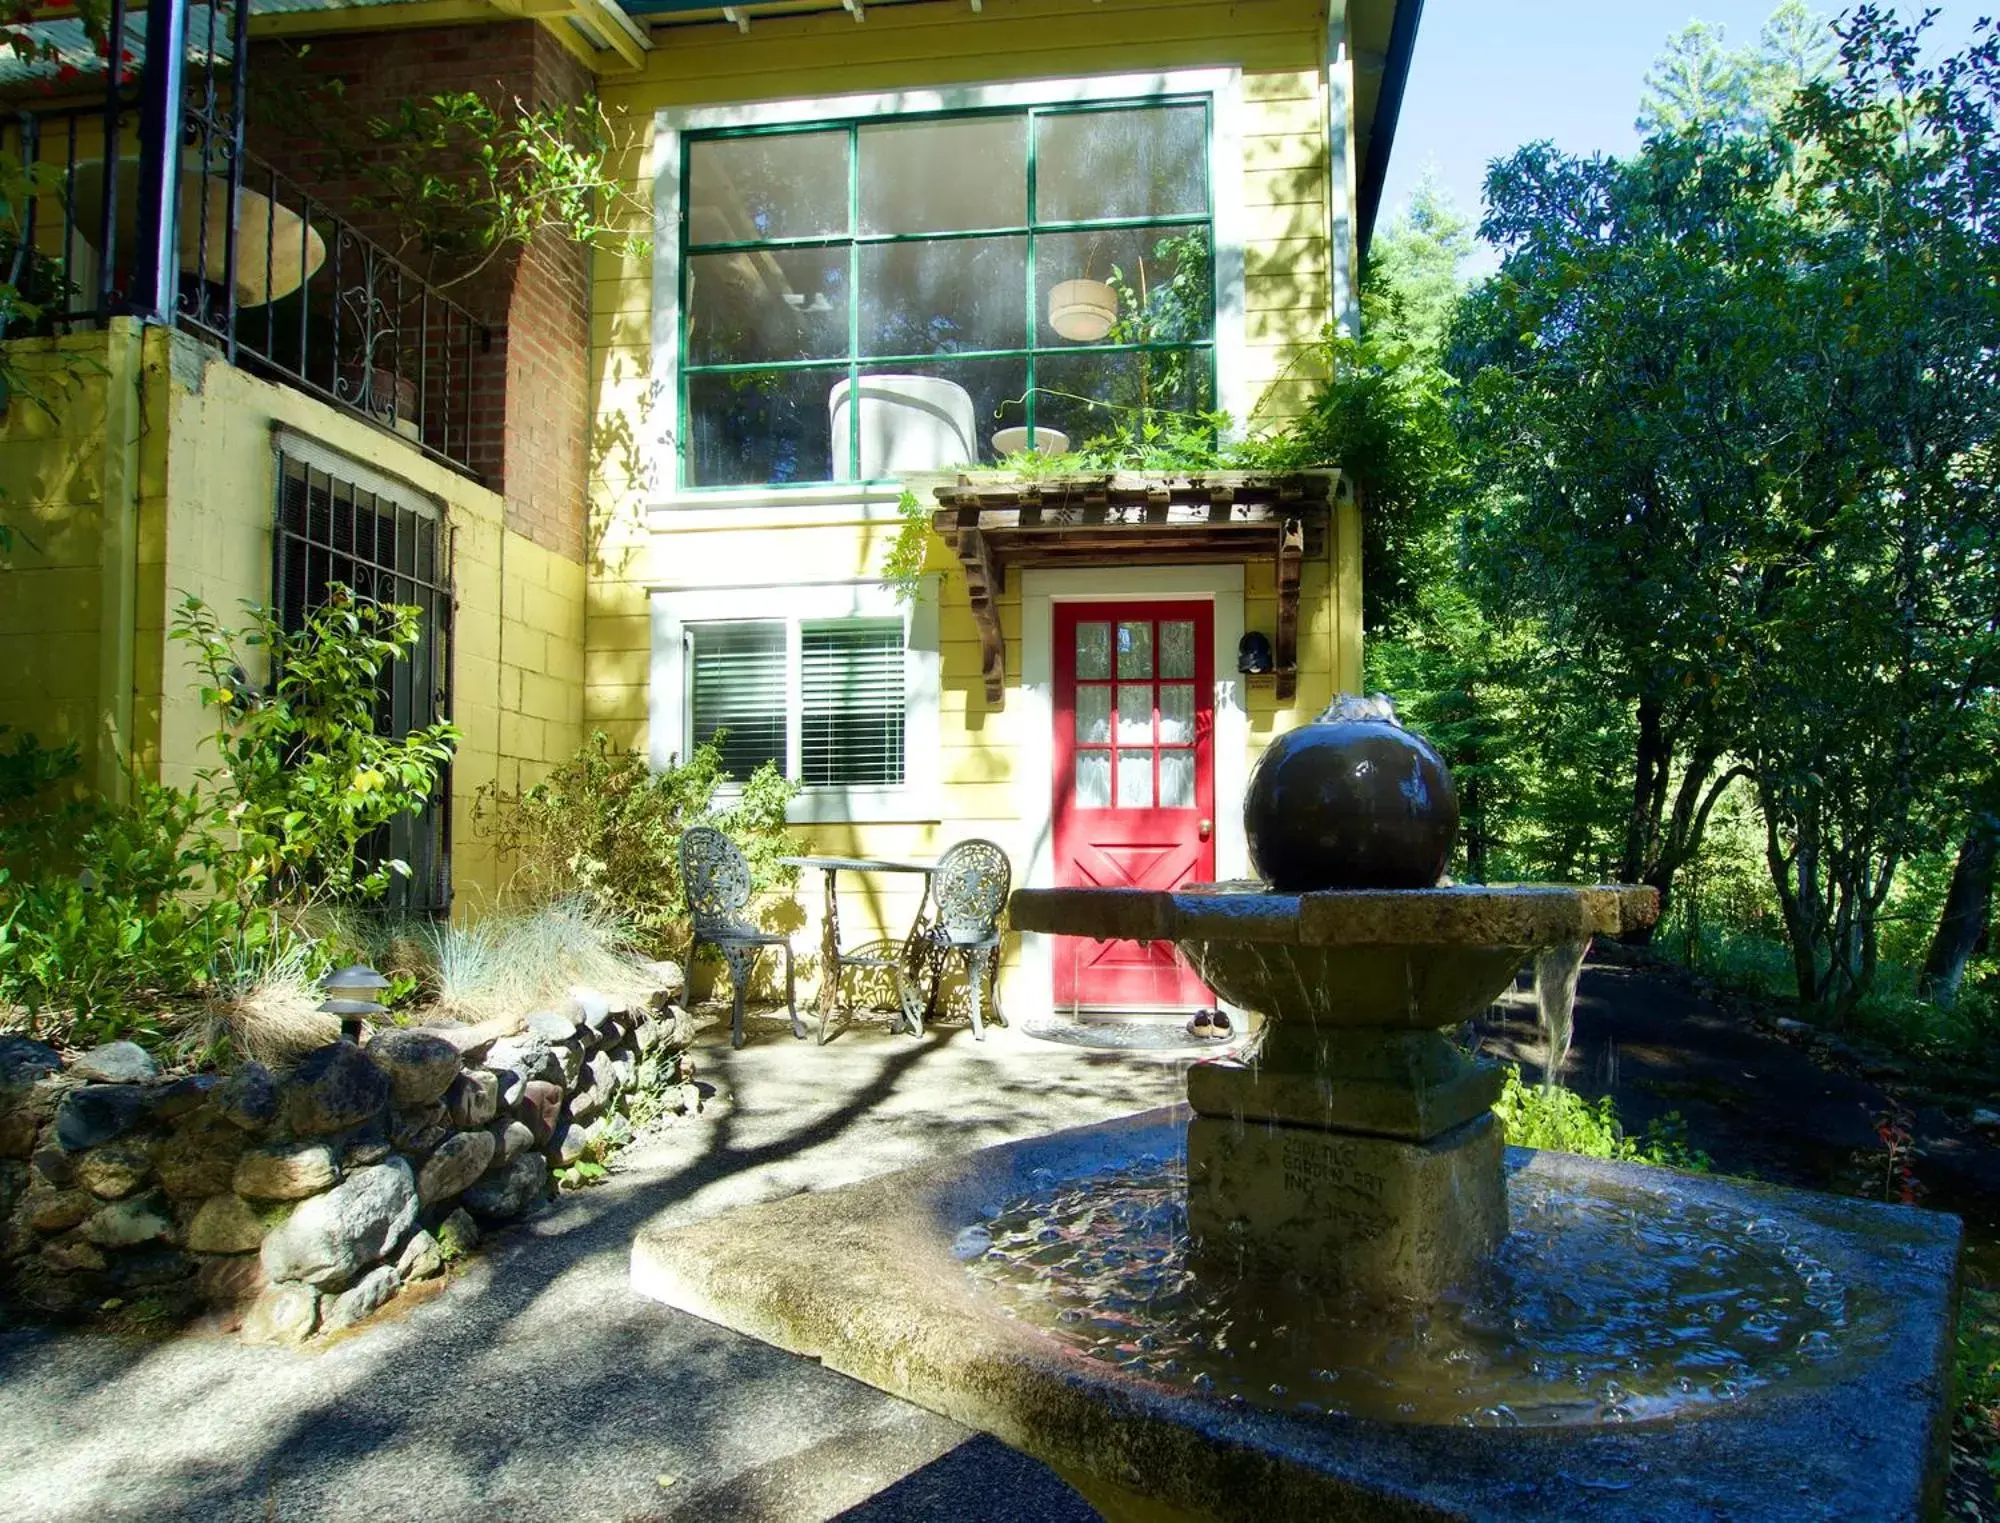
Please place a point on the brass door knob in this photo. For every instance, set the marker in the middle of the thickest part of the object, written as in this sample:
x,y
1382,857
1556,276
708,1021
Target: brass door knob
x,y
1205,829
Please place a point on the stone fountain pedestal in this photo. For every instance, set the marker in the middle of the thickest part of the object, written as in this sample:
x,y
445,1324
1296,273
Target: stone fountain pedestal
x,y
1357,1147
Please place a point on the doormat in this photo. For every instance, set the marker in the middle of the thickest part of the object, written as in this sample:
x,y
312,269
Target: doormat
x,y
1155,1034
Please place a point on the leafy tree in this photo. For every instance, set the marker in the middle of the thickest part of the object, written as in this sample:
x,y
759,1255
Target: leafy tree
x,y
1698,84
1733,401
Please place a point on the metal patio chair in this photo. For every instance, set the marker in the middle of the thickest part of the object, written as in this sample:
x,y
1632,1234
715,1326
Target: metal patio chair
x,y
969,887
716,881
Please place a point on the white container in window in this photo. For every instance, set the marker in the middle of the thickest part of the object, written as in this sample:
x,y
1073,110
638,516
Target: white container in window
x,y
1049,441
1083,311
908,423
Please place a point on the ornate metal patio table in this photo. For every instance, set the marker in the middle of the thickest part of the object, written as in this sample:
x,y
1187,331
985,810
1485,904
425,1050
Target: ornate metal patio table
x,y
831,957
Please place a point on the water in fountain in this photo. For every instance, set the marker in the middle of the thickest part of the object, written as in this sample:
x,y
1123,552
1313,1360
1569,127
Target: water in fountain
x,y
1602,1305
1556,971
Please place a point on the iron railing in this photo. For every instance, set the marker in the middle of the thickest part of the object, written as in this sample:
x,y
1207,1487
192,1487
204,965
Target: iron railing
x,y
268,271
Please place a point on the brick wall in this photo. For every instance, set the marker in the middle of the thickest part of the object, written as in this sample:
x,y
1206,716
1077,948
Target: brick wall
x,y
531,387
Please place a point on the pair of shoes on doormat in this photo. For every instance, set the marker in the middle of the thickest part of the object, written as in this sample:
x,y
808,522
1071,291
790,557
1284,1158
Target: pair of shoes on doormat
x,y
1210,1026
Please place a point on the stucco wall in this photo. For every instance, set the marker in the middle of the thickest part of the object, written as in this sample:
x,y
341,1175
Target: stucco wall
x,y
203,469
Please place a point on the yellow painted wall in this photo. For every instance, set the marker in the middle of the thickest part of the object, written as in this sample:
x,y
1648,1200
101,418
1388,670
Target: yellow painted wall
x,y
205,484
1280,46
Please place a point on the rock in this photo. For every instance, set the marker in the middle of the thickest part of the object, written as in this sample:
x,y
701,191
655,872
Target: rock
x,y
420,1129
591,1009
646,1036
71,1253
1986,1121
669,982
229,1280
59,1293
511,1190
527,1058
689,1099
286,1172
474,1097
569,1144
126,1223
510,1139
550,1027
1795,1028
25,1063
364,1155
97,1114
541,1105
55,1166
111,1173
282,1314
420,1066
248,1098
199,1159
57,1210
471,1041
334,1236
151,1267
459,1235
593,1091
177,1097
459,1160
116,1063
613,1036
569,1059
367,1294
334,1087
624,1073
224,1224
19,1127
421,1258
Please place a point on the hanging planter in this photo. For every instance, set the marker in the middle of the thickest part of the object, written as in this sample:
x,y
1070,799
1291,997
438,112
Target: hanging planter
x,y
1083,311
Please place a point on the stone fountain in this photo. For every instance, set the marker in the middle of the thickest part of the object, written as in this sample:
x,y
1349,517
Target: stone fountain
x,y
1165,1308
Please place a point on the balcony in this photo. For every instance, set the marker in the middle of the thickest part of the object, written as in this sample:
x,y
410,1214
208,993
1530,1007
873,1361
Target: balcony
x,y
107,220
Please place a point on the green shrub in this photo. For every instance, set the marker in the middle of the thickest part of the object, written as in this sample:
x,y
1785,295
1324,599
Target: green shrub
x,y
112,914
604,826
305,775
1559,1121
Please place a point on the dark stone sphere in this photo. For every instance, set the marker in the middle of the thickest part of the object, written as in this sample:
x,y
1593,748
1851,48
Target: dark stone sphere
x,y
1350,804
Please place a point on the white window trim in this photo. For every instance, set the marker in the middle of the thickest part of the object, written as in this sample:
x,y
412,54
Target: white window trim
x,y
916,799
1223,86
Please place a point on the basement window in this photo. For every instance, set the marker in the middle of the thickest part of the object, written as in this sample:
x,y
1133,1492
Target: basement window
x,y
338,521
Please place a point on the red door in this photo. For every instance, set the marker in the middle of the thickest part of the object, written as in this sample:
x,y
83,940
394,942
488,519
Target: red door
x,y
1135,783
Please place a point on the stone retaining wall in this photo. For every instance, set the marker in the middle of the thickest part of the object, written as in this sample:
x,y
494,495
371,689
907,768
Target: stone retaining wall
x,y
301,1201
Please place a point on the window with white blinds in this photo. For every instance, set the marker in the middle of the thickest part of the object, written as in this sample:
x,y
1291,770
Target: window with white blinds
x,y
851,701
738,692
850,682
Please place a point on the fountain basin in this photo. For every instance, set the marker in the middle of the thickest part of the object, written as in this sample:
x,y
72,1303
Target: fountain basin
x,y
866,1279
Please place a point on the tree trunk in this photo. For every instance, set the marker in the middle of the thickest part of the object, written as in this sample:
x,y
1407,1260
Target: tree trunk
x,y
1968,907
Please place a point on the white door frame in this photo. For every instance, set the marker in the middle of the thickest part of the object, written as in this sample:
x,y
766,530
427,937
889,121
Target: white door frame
x,y
1040,592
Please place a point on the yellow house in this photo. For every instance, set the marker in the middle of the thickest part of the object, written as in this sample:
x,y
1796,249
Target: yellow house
x,y
891,242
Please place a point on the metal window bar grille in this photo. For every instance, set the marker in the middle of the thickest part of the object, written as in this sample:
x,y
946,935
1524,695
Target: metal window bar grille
x,y
268,272
328,531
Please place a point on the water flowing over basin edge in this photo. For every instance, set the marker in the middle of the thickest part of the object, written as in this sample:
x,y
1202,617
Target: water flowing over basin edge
x,y
863,1278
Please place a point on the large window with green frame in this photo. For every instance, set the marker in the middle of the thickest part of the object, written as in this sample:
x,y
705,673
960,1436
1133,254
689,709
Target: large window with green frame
x,y
1035,276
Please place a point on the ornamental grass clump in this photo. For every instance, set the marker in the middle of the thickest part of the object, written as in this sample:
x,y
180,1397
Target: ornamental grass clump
x,y
512,961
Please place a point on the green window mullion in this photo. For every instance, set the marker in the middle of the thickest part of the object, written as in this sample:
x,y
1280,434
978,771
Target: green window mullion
x,y
854,300
739,367
1028,401
684,398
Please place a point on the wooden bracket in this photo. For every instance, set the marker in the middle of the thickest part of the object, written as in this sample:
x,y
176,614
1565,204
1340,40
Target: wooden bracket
x,y
1291,560
983,581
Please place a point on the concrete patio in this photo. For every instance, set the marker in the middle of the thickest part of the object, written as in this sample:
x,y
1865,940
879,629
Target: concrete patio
x,y
536,1385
